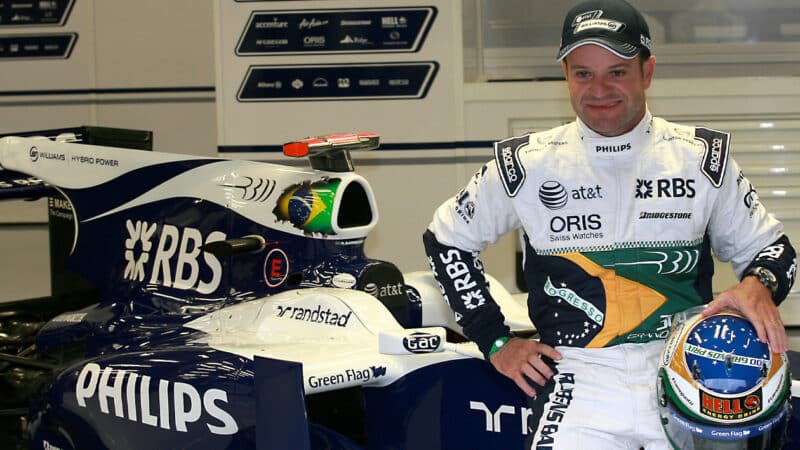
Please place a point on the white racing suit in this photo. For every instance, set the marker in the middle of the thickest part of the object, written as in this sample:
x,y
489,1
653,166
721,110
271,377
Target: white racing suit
x,y
618,234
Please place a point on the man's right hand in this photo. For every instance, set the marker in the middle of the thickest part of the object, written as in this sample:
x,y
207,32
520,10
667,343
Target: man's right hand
x,y
520,358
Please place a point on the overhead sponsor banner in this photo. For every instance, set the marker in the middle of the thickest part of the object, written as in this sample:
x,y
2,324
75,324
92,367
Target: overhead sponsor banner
x,y
335,31
37,46
282,70
39,12
337,81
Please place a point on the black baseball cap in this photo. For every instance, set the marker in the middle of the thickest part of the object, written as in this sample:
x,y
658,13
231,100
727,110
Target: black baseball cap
x,y
613,24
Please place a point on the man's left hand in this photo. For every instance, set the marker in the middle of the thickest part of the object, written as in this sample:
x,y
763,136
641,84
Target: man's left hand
x,y
754,301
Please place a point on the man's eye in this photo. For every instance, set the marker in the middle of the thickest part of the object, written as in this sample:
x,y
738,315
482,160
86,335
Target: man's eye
x,y
618,73
582,74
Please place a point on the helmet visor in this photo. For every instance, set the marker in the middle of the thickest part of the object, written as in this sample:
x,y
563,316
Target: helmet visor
x,y
686,434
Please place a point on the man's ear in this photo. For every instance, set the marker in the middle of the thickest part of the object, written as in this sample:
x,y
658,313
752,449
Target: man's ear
x,y
565,68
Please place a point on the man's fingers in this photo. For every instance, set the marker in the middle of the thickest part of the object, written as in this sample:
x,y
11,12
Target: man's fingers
x,y
776,333
521,360
713,308
526,387
550,352
535,374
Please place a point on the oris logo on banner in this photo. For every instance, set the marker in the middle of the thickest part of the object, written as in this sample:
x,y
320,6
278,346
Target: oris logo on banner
x,y
171,256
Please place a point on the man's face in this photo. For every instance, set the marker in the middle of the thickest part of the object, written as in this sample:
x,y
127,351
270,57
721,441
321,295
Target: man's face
x,y
606,91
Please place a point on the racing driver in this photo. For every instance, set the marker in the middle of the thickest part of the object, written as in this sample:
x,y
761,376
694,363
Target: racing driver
x,y
619,212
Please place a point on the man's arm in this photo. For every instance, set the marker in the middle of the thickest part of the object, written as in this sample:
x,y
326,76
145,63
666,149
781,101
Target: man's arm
x,y
765,284
464,287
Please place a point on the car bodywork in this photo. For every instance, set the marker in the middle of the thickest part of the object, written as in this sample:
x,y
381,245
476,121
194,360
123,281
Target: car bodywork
x,y
237,309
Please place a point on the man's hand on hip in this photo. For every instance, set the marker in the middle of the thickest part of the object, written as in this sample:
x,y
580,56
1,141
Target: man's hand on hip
x,y
520,358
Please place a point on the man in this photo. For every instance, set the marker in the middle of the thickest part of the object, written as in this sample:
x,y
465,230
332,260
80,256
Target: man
x,y
620,212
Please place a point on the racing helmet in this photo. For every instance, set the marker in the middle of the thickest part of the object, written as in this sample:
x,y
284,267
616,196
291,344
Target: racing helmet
x,y
719,387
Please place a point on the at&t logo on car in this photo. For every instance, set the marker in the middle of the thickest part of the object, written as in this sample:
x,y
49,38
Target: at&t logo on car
x,y
420,342
175,261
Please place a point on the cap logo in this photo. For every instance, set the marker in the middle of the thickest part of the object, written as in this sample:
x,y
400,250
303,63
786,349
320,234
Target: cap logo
x,y
603,24
589,15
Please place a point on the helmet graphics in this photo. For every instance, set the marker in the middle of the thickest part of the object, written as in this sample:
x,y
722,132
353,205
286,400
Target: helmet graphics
x,y
720,387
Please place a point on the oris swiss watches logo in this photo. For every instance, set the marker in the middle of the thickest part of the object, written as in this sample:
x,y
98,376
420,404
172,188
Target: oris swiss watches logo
x,y
553,195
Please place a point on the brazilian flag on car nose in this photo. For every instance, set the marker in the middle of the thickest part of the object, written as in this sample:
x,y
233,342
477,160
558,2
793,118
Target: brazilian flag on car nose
x,y
309,206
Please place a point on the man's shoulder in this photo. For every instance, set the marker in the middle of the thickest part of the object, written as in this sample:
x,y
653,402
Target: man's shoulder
x,y
538,140
512,155
710,146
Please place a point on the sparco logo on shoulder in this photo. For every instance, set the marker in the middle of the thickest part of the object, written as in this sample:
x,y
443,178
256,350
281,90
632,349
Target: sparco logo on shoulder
x,y
508,164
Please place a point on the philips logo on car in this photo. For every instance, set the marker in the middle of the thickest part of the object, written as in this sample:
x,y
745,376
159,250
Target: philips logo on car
x,y
128,393
174,262
420,342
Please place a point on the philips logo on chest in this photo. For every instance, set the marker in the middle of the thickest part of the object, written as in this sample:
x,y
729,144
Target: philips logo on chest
x,y
612,148
175,260
130,395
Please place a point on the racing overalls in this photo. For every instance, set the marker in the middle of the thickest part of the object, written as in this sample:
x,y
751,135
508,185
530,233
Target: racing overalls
x,y
618,234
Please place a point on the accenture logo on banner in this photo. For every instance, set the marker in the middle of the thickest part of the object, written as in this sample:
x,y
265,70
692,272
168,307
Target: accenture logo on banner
x,y
129,395
175,261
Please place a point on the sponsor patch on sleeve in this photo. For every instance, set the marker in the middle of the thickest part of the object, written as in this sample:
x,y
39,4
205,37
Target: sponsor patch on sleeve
x,y
506,153
716,144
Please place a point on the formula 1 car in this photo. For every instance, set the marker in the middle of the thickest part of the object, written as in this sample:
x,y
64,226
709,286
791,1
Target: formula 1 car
x,y
236,309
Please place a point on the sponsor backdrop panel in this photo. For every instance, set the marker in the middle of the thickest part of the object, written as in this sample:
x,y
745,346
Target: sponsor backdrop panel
x,y
46,45
291,68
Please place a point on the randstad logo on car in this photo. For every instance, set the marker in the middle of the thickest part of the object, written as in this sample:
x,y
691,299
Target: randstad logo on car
x,y
309,206
170,256
326,316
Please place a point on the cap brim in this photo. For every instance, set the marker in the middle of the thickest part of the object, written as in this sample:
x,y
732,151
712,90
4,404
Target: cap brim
x,y
621,49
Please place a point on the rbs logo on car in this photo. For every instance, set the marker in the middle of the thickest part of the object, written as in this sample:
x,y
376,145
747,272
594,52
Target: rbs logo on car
x,y
174,261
